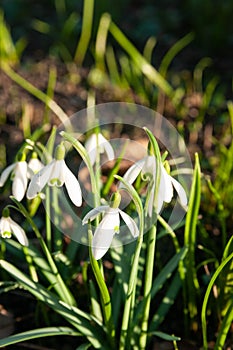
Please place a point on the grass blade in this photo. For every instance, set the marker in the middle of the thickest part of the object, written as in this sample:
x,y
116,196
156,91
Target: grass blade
x,y
38,333
206,298
191,286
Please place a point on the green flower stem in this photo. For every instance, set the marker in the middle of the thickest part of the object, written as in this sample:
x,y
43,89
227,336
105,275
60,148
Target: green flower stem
x,y
47,219
170,232
105,297
65,294
32,269
148,284
83,153
130,293
127,314
56,215
150,246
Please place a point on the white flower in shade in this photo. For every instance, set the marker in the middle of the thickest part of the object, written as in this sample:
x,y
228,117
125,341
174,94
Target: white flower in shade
x,y
109,226
9,227
147,167
19,177
97,142
56,173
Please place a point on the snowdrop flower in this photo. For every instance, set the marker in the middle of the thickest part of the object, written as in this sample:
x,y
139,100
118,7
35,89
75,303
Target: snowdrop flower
x,y
34,164
98,142
56,173
147,166
109,225
19,177
9,227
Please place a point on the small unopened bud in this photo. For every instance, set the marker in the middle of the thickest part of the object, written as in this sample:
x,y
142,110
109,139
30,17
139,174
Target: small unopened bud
x,y
60,152
6,212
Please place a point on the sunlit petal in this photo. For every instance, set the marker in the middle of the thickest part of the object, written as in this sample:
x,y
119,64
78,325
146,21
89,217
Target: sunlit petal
x,y
6,172
35,165
20,180
165,186
92,214
5,229
131,224
91,145
180,190
104,233
133,172
149,165
72,186
57,176
18,232
106,145
39,180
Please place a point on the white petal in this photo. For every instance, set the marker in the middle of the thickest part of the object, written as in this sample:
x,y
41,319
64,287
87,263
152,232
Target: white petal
x,y
180,190
72,186
149,165
91,215
6,172
165,186
39,180
57,175
91,146
18,232
35,165
130,223
133,172
151,201
5,227
20,180
106,145
104,233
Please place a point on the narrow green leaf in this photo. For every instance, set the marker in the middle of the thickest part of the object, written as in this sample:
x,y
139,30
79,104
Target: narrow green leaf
x,y
87,20
166,272
207,295
192,284
166,303
225,326
87,325
146,68
38,333
165,336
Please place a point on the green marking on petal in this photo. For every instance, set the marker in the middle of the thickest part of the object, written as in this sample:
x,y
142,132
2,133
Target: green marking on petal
x,y
116,229
55,182
6,234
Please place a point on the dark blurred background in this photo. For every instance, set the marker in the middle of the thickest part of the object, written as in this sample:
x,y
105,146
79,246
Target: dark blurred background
x,y
46,23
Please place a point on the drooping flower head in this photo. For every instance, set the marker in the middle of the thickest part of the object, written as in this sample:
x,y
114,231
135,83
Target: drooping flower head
x,y
56,173
109,225
19,177
9,227
147,167
98,143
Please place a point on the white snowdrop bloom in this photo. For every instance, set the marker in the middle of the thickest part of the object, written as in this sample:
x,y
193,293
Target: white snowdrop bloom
x,y
147,166
19,177
9,227
109,226
34,165
56,173
98,141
